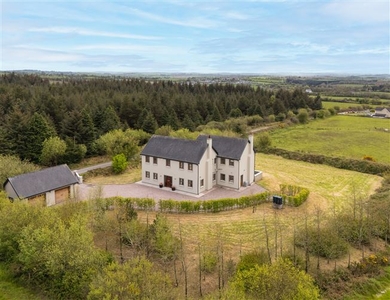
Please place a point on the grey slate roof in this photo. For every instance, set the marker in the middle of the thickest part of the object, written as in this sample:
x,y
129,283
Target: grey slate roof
x,y
226,147
39,182
175,149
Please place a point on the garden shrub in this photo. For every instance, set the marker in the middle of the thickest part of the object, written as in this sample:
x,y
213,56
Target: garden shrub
x,y
294,195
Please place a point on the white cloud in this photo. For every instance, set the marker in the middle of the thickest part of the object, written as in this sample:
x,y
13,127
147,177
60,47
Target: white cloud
x,y
360,11
86,32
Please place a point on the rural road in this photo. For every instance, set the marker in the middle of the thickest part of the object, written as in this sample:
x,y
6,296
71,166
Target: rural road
x,y
99,166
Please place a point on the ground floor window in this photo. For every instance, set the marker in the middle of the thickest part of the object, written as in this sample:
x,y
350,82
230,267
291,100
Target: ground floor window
x,y
155,176
213,176
190,183
223,177
231,178
147,174
181,181
202,182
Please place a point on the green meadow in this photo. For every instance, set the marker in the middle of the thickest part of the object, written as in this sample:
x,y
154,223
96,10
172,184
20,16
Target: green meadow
x,y
342,136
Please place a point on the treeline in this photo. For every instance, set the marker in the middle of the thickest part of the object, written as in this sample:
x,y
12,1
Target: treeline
x,y
79,111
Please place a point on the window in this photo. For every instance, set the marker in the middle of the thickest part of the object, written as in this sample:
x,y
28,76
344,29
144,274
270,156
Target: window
x,y
231,162
147,174
190,183
168,162
190,167
155,176
181,181
231,178
181,165
147,158
223,177
202,182
155,160
214,176
222,161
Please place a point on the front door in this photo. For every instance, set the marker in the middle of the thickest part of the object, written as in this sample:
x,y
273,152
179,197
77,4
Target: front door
x,y
167,181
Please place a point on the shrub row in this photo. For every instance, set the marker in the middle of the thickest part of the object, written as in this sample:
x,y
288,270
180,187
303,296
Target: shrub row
x,y
363,166
137,203
294,195
212,205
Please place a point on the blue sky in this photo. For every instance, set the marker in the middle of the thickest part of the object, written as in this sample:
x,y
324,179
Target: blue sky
x,y
262,37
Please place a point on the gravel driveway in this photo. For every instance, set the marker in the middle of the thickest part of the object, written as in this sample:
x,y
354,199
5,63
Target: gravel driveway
x,y
140,190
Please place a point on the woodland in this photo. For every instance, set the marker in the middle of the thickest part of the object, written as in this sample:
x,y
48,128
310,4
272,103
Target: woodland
x,y
79,111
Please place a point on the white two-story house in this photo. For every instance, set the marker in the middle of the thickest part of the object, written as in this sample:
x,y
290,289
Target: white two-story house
x,y
196,166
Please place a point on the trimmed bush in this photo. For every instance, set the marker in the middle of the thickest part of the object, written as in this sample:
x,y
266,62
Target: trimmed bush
x,y
212,205
294,195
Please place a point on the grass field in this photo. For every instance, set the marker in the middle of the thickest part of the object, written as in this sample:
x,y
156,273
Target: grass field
x,y
344,105
9,290
344,136
242,230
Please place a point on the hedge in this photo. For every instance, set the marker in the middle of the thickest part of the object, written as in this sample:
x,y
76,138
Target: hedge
x,y
214,206
294,195
363,166
137,203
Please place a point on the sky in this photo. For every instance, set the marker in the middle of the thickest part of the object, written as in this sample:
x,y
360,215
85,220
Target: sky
x,y
251,37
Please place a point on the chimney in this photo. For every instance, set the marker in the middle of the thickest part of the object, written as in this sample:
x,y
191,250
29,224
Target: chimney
x,y
250,141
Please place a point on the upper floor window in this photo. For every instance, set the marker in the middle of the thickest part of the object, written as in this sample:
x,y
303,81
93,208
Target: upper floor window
x,y
147,158
155,160
190,167
231,162
222,161
181,165
168,162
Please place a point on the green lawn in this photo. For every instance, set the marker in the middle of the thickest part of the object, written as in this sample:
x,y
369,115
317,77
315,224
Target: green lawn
x,y
10,290
344,105
343,136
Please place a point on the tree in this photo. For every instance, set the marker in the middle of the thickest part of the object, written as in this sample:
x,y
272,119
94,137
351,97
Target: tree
x,y
38,129
149,124
135,279
117,142
280,280
60,255
262,141
53,150
119,163
303,116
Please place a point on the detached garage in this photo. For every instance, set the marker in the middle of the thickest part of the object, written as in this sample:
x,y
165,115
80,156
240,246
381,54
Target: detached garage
x,y
48,187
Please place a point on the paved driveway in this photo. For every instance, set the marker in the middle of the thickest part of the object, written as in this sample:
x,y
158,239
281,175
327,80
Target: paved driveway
x,y
140,190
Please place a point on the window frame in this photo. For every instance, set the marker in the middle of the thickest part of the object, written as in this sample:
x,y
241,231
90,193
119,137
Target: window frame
x,y
181,181
223,162
190,184
231,162
231,178
167,162
155,176
222,177
190,167
147,174
181,165
147,159
155,160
